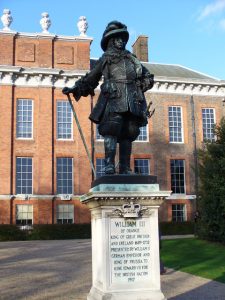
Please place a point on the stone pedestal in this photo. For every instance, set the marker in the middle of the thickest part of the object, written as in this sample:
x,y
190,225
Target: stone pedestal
x,y
125,240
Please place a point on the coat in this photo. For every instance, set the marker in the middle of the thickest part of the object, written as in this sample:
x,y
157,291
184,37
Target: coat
x,y
124,83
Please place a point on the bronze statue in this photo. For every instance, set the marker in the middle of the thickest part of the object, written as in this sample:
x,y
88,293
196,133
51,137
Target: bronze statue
x,y
121,108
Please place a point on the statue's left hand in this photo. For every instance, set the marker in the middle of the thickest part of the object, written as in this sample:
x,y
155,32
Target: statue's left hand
x,y
147,82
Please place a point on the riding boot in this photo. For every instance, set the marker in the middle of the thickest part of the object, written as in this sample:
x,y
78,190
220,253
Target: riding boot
x,y
125,152
110,152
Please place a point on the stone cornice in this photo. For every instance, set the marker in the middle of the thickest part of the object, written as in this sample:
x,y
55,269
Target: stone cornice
x,y
74,38
187,80
58,78
105,199
8,32
181,196
38,197
188,86
38,77
40,35
124,196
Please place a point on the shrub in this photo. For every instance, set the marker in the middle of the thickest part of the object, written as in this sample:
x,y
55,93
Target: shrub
x,y
11,233
211,200
177,228
45,232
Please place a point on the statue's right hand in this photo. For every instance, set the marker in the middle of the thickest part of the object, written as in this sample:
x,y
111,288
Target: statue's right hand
x,y
66,90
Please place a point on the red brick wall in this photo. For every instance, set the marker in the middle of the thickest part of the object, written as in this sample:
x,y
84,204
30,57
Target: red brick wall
x,y
45,52
73,55
5,211
6,49
6,95
45,148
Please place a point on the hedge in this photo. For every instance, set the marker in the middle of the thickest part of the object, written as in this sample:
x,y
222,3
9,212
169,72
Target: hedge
x,y
45,232
77,231
177,228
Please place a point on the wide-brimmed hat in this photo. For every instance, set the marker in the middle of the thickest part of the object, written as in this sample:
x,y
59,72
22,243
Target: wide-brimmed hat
x,y
114,29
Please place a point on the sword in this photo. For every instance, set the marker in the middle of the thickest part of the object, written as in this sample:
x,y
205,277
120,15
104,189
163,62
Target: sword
x,y
81,134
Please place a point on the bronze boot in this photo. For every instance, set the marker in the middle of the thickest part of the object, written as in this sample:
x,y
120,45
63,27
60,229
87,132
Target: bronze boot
x,y
125,153
110,152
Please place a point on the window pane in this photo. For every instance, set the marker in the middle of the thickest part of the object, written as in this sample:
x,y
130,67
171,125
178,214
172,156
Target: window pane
x,y
64,120
142,166
208,124
100,167
24,175
64,175
143,136
177,170
178,213
65,214
175,124
24,214
24,118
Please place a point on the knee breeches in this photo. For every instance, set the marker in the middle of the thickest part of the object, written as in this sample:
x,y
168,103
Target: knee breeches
x,y
122,125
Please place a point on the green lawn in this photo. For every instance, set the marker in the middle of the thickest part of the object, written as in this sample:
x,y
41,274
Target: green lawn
x,y
196,257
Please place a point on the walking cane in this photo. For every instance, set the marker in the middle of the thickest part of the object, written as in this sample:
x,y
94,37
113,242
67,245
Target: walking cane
x,y
81,134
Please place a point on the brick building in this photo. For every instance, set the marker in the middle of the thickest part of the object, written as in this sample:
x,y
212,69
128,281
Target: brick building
x,y
43,165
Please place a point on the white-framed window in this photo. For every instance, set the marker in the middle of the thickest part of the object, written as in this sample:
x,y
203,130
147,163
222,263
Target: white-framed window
x,y
24,175
24,214
175,124
208,124
64,121
24,119
99,137
177,169
142,166
100,167
143,136
179,213
64,170
65,213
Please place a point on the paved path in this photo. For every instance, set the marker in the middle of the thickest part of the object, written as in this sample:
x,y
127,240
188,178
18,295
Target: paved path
x,y
61,270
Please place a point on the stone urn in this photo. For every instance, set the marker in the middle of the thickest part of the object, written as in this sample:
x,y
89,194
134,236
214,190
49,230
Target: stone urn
x,y
45,22
82,25
6,19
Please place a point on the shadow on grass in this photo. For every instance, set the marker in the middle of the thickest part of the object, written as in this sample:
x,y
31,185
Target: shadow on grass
x,y
182,286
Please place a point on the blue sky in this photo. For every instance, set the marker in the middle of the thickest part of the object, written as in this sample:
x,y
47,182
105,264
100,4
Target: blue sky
x,y
186,32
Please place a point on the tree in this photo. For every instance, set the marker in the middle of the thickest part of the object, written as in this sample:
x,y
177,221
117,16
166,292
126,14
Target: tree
x,y
211,199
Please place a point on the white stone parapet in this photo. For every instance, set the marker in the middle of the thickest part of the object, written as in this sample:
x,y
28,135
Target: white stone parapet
x,y
32,35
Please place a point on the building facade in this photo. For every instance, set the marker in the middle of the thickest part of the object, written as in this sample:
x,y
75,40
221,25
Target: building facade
x,y
43,164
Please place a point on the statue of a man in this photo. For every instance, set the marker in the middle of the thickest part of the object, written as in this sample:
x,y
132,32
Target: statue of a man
x,y
121,108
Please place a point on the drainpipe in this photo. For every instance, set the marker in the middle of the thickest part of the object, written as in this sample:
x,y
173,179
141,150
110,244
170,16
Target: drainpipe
x,y
195,153
12,160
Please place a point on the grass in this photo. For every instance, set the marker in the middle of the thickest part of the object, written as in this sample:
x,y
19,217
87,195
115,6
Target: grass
x,y
197,257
